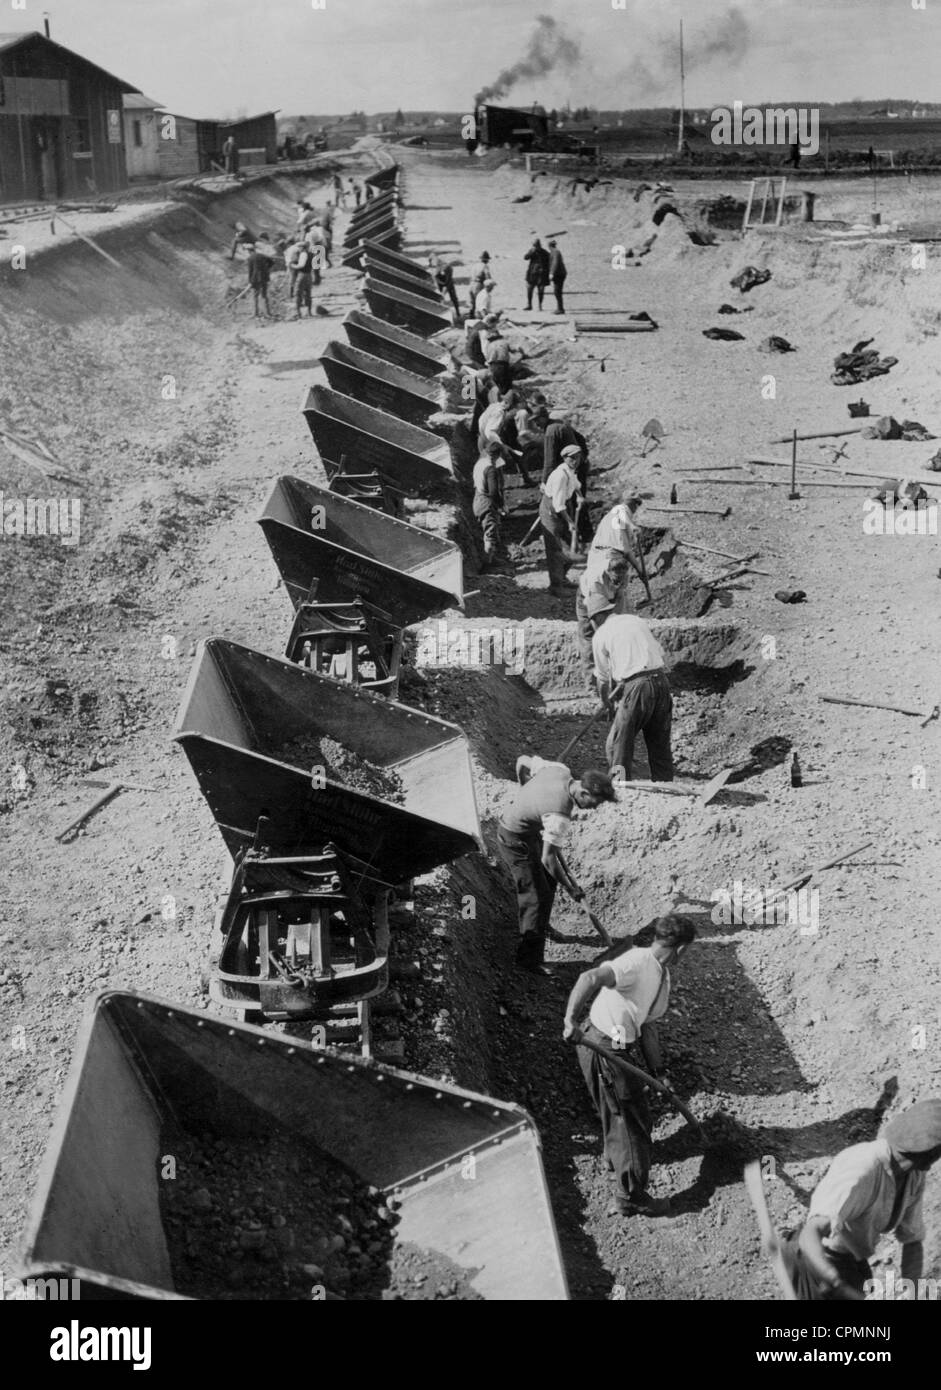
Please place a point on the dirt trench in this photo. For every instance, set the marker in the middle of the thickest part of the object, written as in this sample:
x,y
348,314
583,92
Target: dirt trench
x,y
97,643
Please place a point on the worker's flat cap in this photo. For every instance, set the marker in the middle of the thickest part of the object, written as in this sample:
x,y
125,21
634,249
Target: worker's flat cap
x,y
570,451
917,1130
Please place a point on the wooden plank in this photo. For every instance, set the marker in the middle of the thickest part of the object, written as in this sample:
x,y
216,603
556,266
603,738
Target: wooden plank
x,y
726,554
824,434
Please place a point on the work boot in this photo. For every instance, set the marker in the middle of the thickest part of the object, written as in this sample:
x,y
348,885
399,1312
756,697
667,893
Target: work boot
x,y
640,1204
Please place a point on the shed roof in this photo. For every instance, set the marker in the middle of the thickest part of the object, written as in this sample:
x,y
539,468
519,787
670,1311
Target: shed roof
x,y
8,41
136,101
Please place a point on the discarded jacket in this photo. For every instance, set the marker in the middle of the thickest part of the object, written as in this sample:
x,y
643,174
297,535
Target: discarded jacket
x,y
724,335
748,278
775,344
904,491
859,365
887,427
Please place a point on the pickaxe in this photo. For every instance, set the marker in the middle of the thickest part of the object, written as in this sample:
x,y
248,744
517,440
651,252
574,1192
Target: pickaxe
x,y
579,1039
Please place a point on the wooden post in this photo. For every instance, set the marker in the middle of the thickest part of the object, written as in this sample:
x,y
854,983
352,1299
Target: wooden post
x,y
751,199
764,201
780,217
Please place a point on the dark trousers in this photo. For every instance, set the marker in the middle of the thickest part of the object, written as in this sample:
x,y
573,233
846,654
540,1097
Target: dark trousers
x,y
502,377
452,293
557,288
535,891
621,1102
554,533
645,707
807,1286
530,289
302,291
488,514
584,633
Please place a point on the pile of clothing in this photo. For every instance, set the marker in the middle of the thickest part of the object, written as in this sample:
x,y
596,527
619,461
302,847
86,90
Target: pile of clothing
x,y
887,427
775,344
859,365
748,278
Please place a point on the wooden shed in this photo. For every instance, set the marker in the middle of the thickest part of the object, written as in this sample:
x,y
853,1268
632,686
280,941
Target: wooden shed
x,y
142,129
61,123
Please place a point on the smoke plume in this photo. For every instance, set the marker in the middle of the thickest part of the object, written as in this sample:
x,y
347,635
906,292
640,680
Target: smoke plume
x,y
549,47
654,73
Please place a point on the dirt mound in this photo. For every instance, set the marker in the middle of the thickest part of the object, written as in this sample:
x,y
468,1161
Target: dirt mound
x,y
343,766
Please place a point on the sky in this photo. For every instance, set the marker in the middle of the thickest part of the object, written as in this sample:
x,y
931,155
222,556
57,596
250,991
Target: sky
x,y
229,57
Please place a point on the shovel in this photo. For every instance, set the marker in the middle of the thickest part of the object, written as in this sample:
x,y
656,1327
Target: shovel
x,y
595,921
639,1075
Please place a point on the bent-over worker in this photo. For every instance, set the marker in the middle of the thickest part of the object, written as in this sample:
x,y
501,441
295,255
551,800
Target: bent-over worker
x,y
868,1189
626,996
531,833
628,655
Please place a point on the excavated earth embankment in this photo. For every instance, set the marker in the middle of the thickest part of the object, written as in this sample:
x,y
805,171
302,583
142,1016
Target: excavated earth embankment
x,y
167,413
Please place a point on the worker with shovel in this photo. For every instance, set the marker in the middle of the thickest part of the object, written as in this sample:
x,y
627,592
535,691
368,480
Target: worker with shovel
x,y
530,837
559,509
617,534
627,655
625,996
489,505
596,593
868,1189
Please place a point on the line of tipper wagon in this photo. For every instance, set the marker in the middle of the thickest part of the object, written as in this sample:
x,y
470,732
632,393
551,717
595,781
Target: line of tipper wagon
x,y
304,933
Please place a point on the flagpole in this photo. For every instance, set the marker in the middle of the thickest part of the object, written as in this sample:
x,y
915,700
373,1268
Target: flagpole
x,y
679,137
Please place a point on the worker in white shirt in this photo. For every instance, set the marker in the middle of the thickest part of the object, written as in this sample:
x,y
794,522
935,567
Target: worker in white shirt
x,y
493,422
628,655
594,596
483,299
559,509
479,275
626,996
868,1190
617,532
